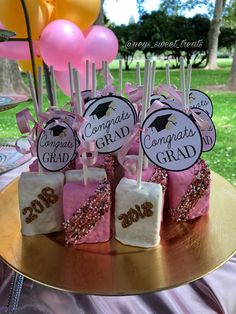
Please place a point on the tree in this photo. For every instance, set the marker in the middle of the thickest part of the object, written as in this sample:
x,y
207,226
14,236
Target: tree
x,y
100,18
171,7
232,79
127,41
176,7
230,21
10,79
140,7
213,35
175,36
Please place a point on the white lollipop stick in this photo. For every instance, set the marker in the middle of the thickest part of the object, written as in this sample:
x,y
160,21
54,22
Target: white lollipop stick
x,y
32,90
71,81
168,74
120,78
79,110
106,72
40,90
182,81
143,115
54,92
153,77
94,80
138,74
189,76
87,74
149,86
33,94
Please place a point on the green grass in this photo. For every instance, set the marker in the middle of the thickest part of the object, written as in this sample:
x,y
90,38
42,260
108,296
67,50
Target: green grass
x,y
221,159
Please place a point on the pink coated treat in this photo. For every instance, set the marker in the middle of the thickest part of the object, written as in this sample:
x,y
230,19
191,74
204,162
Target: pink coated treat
x,y
189,192
87,211
146,174
134,149
108,162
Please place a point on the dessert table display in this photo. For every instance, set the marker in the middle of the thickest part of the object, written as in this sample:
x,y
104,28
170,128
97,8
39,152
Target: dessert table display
x,y
65,222
214,293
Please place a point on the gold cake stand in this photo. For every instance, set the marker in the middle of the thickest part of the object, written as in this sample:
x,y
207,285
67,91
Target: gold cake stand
x,y
188,251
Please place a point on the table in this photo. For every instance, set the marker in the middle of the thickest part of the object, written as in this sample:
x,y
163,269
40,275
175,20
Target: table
x,y
214,293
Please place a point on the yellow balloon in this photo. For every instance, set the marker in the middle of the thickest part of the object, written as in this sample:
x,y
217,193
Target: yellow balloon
x,y
81,12
51,12
12,16
26,66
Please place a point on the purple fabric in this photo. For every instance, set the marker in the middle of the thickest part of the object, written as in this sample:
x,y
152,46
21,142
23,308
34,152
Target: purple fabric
x,y
214,293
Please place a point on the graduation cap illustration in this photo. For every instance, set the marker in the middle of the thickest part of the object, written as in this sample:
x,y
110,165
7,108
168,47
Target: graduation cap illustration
x,y
58,130
163,122
104,109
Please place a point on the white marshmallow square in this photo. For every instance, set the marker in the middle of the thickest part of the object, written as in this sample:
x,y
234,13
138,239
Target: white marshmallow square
x,y
138,213
40,202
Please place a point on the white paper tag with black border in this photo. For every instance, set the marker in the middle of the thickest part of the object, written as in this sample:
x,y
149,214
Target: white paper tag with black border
x,y
109,121
172,104
156,97
171,140
89,102
68,118
56,146
208,133
198,99
86,95
154,107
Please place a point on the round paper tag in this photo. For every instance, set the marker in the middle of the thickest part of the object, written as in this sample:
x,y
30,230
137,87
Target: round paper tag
x,y
109,121
86,95
56,146
208,132
89,102
68,118
157,97
171,140
172,104
198,99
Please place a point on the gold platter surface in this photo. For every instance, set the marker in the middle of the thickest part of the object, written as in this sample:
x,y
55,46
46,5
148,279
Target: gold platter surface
x,y
188,251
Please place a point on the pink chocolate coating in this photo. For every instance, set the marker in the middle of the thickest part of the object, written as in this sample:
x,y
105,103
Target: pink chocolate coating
x,y
74,196
178,185
134,149
146,174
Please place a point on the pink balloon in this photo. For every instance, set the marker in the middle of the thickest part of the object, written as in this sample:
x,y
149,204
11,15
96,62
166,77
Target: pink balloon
x,y
17,50
100,44
62,78
61,42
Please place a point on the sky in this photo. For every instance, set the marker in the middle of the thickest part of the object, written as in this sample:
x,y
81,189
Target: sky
x,y
120,11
